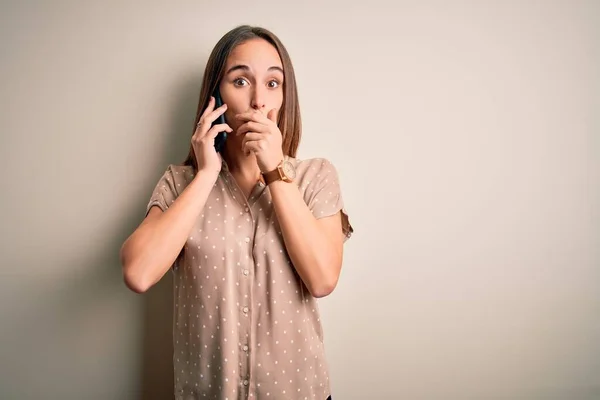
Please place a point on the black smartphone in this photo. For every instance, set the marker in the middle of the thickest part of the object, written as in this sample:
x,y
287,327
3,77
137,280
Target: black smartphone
x,y
222,136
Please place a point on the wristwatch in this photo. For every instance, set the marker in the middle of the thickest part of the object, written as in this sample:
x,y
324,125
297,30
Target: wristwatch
x,y
285,171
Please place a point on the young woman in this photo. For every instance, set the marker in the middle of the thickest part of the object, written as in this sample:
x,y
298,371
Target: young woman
x,y
252,234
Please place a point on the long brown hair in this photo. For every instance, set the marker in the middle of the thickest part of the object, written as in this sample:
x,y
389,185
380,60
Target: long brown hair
x,y
288,121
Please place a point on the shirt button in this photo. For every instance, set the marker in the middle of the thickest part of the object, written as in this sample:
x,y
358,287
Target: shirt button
x,y
246,272
247,240
245,382
245,348
245,310
246,209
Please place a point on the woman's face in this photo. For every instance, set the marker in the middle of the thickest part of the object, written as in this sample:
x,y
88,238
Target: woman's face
x,y
253,80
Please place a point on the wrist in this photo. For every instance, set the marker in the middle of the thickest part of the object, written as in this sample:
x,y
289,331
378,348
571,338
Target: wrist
x,y
272,165
284,171
207,175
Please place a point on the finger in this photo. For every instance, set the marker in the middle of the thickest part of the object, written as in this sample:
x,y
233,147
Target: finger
x,y
206,122
216,129
209,108
254,146
247,149
245,140
213,115
212,133
255,116
254,137
252,126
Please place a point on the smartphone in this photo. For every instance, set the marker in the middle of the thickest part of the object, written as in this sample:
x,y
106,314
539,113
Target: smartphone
x,y
221,136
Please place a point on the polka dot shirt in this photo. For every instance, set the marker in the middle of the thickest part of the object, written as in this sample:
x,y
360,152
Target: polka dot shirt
x,y
245,326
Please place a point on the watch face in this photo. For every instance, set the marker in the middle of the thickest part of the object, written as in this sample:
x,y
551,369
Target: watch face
x,y
288,170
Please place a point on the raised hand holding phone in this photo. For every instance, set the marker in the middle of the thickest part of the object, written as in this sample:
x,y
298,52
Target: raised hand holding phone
x,y
203,140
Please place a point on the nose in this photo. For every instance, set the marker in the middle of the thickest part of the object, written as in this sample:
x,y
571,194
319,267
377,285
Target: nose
x,y
258,99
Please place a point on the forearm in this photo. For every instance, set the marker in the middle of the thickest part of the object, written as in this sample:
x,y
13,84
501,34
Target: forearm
x,y
153,247
311,250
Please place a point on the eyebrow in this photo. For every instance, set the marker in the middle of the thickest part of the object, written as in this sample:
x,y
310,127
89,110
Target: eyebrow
x,y
246,68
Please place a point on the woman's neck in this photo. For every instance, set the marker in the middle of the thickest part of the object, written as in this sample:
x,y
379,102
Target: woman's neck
x,y
243,168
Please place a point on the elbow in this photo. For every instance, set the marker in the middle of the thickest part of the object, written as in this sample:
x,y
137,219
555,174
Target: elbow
x,y
134,281
325,286
322,291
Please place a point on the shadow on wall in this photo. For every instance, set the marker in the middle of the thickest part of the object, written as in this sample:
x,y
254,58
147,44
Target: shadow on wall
x,y
157,368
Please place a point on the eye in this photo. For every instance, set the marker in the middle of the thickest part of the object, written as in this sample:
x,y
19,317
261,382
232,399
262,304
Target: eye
x,y
273,84
240,82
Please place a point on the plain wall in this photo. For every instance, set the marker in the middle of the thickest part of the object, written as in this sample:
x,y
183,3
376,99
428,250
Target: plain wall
x,y
467,138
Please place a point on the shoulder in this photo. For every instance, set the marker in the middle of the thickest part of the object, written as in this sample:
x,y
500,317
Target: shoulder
x,y
176,177
313,168
178,170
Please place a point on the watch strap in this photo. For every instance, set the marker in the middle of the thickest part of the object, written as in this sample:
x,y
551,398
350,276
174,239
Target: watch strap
x,y
272,176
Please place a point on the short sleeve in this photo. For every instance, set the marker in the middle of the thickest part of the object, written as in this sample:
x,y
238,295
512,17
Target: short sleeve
x,y
325,195
164,193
